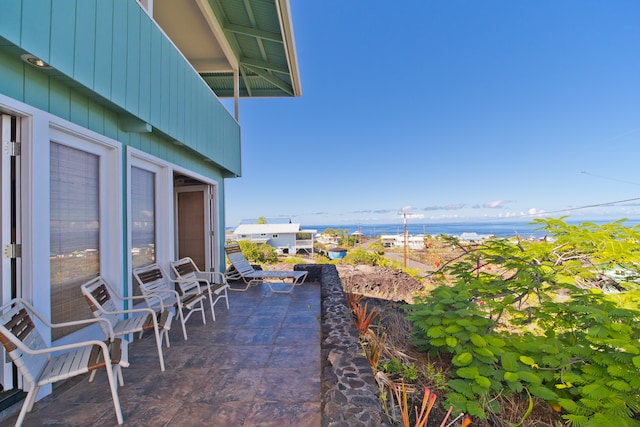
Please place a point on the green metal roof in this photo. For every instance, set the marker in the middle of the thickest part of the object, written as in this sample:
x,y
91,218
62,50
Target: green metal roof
x,y
253,36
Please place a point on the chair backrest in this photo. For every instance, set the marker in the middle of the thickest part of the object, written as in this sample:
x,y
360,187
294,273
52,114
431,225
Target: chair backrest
x,y
97,293
18,332
236,257
185,268
152,278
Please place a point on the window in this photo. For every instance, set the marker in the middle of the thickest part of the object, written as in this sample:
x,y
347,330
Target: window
x,y
143,219
75,231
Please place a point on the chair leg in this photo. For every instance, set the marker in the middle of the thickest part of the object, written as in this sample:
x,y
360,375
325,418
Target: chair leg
x,y
182,321
159,345
165,335
27,405
204,320
211,303
114,394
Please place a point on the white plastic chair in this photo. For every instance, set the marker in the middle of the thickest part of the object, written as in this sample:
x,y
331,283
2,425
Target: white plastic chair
x,y
154,281
186,269
105,302
40,364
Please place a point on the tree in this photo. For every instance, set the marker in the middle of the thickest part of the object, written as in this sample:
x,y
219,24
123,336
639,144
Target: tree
x,y
261,220
540,317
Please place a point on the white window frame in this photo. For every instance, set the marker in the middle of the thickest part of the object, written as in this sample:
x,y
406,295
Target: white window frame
x,y
163,207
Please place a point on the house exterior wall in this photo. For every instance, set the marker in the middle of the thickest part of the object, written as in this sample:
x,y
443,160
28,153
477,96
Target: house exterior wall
x,y
119,85
114,53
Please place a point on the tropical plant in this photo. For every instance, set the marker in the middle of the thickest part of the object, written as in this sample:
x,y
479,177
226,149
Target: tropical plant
x,y
537,317
260,254
362,318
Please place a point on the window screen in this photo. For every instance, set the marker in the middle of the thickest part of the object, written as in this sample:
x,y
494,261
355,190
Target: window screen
x,y
143,219
75,232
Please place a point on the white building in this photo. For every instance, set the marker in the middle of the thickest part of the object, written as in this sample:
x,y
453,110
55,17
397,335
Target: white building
x,y
397,241
284,238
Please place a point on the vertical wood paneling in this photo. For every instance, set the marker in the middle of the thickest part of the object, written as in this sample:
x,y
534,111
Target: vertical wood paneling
x,y
173,89
36,88
155,104
12,76
133,56
59,99
146,73
36,28
79,109
62,48
85,51
119,53
96,117
11,20
104,47
165,78
180,100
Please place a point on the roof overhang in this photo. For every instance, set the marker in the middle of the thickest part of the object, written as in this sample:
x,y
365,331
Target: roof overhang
x,y
240,48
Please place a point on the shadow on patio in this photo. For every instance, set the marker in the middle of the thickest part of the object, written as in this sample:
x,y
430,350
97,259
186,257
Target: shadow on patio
x,y
257,365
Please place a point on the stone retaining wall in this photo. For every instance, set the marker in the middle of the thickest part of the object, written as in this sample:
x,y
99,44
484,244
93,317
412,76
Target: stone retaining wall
x,y
350,396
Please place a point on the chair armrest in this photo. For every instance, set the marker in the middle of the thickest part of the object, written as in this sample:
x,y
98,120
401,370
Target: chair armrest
x,y
213,274
85,322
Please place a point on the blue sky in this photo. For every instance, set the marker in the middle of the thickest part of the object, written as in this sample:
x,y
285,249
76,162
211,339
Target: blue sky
x,y
451,110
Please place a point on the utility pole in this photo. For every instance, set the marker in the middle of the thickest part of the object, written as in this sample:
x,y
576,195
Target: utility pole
x,y
404,216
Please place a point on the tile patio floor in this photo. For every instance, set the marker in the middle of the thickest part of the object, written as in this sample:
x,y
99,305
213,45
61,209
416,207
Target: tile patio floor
x,y
258,364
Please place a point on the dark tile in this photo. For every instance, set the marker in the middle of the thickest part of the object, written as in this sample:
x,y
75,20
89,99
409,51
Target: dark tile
x,y
276,414
295,356
289,385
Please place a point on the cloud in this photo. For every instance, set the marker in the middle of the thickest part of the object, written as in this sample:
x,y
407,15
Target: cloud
x,y
496,204
534,211
450,207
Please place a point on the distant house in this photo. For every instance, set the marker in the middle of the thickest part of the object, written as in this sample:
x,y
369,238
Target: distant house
x,y
397,241
473,238
284,238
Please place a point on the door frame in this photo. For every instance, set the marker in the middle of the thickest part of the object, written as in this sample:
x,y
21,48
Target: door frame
x,y
212,262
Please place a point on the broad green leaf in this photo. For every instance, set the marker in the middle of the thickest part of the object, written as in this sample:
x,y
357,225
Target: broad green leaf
x,y
511,376
435,332
483,351
478,341
451,341
474,410
483,381
636,361
469,372
542,392
529,377
509,362
527,360
461,386
463,359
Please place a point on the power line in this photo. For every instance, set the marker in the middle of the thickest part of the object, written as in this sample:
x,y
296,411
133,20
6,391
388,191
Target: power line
x,y
609,178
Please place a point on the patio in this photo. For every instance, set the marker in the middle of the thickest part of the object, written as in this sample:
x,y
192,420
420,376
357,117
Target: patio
x,y
258,364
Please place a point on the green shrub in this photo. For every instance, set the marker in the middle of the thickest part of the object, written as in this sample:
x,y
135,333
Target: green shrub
x,y
531,317
258,254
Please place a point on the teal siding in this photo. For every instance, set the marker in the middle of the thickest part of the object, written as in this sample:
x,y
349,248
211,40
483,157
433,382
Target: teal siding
x,y
36,28
116,56
85,42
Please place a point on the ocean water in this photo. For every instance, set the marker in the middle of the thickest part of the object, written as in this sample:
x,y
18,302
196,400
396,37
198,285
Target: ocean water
x,y
496,228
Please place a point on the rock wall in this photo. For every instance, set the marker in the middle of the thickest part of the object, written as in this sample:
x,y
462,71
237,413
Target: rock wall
x,y
350,396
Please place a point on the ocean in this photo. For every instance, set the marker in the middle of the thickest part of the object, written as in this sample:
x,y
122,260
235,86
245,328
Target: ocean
x,y
495,228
